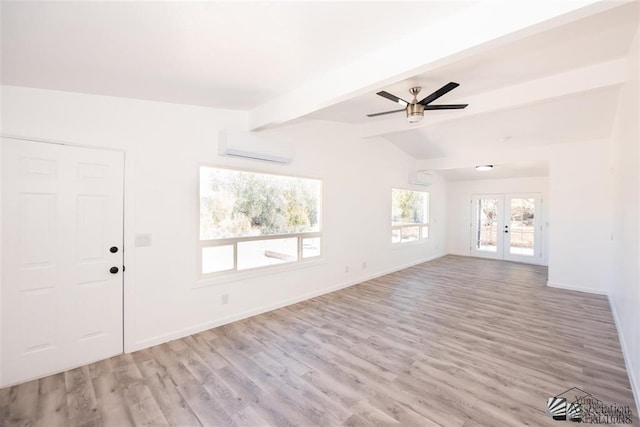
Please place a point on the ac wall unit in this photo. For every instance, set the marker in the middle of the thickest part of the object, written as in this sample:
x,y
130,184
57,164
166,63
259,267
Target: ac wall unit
x,y
424,178
249,145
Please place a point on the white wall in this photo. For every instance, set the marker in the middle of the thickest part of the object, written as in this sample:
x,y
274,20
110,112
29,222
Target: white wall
x,y
578,211
164,144
625,282
579,218
459,209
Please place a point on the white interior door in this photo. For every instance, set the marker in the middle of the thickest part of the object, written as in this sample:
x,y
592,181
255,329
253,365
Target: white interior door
x,y
62,257
507,226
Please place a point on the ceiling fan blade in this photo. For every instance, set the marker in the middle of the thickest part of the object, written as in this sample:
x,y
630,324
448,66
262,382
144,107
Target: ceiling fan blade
x,y
393,98
445,107
386,112
437,94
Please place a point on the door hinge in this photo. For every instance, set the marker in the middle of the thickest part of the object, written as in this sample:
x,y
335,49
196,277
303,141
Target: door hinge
x,y
123,268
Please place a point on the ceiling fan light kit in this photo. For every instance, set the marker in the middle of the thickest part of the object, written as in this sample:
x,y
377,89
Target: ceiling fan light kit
x,y
415,113
415,109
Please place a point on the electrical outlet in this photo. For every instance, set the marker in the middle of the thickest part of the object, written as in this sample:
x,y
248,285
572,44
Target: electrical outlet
x,y
346,268
364,264
225,299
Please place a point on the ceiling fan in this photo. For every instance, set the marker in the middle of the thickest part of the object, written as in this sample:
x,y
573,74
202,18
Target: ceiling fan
x,y
415,109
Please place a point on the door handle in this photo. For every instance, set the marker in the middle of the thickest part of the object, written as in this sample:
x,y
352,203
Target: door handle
x,y
113,270
113,249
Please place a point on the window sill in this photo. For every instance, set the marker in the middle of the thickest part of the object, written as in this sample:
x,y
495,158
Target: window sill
x,y
256,272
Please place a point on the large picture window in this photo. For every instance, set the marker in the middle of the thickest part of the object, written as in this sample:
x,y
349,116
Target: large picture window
x,y
250,220
409,215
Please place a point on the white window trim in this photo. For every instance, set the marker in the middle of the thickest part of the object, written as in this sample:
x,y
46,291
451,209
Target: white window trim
x,y
234,242
419,225
208,279
420,237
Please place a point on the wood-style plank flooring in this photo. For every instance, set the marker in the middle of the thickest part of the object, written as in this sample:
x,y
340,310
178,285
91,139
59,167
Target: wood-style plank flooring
x,y
453,342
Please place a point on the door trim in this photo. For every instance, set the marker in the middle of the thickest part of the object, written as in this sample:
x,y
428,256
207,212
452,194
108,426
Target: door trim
x,y
538,257
129,309
501,254
128,300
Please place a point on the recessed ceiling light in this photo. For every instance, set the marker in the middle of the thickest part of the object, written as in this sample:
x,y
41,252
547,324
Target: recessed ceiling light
x,y
483,168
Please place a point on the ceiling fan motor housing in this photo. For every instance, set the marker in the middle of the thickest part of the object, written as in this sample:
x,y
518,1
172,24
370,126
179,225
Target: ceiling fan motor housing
x,y
415,112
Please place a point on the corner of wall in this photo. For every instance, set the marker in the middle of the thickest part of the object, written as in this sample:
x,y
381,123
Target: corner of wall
x,y
569,287
634,377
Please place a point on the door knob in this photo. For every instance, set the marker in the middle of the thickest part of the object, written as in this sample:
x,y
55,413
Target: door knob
x,y
113,249
113,270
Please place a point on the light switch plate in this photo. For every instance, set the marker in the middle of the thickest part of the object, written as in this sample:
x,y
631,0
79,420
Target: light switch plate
x,y
143,240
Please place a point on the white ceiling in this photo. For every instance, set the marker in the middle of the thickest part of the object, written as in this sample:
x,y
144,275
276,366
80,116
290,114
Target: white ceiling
x,y
499,171
581,117
558,83
584,42
234,55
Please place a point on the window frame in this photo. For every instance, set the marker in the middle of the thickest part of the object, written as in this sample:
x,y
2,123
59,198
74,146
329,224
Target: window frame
x,y
421,226
234,241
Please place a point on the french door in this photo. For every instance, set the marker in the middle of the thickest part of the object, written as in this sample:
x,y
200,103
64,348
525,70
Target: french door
x,y
62,234
507,226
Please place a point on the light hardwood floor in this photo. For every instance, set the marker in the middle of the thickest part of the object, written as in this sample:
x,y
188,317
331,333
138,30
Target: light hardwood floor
x,y
454,342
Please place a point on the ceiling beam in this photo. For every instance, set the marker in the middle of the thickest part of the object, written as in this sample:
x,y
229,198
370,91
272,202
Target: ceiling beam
x,y
463,34
571,82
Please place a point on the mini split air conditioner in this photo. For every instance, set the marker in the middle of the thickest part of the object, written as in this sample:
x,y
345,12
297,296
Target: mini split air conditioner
x,y
424,178
249,145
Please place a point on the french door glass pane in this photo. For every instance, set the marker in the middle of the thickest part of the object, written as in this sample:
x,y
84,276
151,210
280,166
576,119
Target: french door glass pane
x,y
521,227
487,225
260,253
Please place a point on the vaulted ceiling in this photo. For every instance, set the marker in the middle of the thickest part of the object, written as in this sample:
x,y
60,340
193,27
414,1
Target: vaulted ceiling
x,y
534,73
232,54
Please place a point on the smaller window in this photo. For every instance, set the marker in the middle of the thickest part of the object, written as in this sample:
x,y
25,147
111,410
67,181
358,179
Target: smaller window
x,y
409,215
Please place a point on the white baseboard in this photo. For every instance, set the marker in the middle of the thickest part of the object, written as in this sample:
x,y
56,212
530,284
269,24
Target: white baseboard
x,y
633,376
253,312
467,254
576,288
